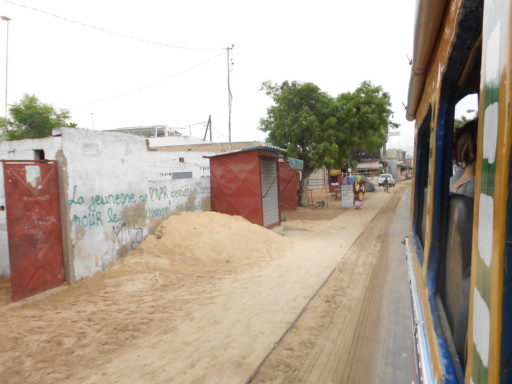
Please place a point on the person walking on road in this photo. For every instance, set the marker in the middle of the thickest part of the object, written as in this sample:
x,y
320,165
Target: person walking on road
x,y
358,190
385,183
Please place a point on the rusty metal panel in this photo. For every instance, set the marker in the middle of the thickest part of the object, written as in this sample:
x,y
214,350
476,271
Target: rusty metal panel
x,y
236,185
288,187
33,226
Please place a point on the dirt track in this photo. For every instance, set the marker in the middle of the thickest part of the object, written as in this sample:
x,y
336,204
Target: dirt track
x,y
154,319
340,337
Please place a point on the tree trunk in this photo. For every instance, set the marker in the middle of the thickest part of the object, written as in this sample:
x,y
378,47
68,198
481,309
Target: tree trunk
x,y
303,187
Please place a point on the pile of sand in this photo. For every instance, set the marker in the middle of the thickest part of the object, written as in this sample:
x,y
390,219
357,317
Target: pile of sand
x,y
212,238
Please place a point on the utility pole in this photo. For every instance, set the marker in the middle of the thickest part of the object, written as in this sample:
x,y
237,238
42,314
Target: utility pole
x,y
92,120
208,127
7,19
210,124
230,96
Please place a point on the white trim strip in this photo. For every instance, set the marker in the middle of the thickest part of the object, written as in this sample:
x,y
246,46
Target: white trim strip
x,y
481,327
422,346
485,228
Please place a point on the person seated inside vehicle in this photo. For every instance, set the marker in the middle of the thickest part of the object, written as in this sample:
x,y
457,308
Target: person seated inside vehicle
x,y
463,180
457,264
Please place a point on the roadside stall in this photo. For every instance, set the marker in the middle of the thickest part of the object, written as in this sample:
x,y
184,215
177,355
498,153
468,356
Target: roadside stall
x,y
246,183
335,182
289,180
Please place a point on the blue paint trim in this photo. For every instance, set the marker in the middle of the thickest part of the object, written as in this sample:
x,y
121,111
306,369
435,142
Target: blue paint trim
x,y
442,173
506,332
450,376
420,181
435,244
418,248
417,188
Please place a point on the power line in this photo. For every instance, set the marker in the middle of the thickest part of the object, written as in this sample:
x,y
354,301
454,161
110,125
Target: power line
x,y
108,98
105,30
230,95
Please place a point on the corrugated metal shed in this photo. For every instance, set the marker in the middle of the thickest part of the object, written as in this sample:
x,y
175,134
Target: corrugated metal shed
x,y
288,185
246,183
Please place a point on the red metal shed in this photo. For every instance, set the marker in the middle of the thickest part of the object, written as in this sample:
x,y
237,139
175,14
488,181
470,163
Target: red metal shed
x,y
288,185
245,183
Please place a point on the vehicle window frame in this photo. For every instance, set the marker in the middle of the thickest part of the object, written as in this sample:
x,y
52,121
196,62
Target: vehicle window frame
x,y
442,173
420,183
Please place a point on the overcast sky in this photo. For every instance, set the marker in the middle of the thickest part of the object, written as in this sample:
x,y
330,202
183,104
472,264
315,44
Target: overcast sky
x,y
124,82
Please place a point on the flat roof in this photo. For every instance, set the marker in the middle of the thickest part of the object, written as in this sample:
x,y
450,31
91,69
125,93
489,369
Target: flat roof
x,y
220,147
269,148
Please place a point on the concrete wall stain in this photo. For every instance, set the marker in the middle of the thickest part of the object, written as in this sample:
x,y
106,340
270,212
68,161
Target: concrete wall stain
x,y
114,193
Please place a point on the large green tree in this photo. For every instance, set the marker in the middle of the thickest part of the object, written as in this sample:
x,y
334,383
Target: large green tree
x,y
301,121
325,131
363,118
30,118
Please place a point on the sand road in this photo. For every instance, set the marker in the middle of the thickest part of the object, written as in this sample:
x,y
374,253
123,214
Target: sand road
x,y
358,328
209,318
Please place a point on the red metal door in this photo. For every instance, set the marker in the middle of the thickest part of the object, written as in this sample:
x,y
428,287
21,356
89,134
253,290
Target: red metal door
x,y
288,186
33,226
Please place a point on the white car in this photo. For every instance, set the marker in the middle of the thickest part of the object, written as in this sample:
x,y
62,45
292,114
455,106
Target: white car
x,y
391,180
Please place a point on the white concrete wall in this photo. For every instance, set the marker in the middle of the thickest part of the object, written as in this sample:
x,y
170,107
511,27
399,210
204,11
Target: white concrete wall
x,y
24,149
173,140
113,193
318,179
19,150
117,192
195,162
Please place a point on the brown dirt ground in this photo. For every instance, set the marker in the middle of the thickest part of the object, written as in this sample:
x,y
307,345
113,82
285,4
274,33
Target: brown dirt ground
x,y
5,291
323,346
208,311
314,211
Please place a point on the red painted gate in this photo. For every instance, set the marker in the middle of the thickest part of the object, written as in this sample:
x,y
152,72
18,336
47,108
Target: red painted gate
x,y
33,226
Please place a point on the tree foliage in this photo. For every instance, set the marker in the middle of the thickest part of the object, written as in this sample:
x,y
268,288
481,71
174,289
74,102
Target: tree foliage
x,y
464,119
301,121
30,118
458,123
363,118
324,131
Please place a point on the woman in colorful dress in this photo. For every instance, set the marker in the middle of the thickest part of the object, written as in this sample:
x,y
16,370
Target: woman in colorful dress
x,y
358,189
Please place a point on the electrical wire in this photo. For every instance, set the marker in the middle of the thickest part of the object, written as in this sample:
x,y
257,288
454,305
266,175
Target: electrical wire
x,y
105,30
108,98
218,132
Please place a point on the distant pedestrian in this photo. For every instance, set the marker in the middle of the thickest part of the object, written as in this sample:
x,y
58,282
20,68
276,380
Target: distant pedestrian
x,y
358,190
385,183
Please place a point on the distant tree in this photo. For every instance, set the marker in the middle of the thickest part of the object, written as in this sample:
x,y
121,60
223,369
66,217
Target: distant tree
x,y
301,121
30,118
363,118
326,132
465,119
462,121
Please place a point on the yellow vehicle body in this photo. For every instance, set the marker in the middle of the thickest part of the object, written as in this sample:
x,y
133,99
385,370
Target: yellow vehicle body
x,y
452,47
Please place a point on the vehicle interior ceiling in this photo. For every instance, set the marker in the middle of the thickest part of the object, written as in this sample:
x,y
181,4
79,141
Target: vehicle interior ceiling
x,y
455,268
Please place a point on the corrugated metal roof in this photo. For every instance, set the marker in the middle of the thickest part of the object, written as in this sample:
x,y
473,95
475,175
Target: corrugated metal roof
x,y
269,148
296,163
